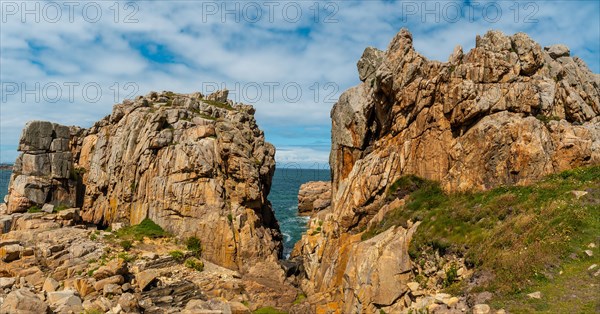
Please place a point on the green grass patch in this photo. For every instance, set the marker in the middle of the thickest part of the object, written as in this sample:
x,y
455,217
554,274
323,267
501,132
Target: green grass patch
x,y
146,229
268,310
59,208
546,119
126,257
177,255
218,104
126,245
300,298
194,245
518,233
34,209
194,263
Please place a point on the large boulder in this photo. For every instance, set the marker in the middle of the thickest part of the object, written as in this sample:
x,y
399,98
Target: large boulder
x,y
44,168
22,301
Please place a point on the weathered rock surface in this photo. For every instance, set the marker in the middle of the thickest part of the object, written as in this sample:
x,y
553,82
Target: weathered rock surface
x,y
44,168
72,268
314,196
195,166
22,301
507,112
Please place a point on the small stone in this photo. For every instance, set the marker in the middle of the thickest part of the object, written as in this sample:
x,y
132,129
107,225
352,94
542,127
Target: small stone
x,y
126,286
11,252
557,51
451,301
597,273
481,309
149,255
48,208
145,278
116,226
68,214
433,307
579,194
589,253
112,289
413,286
128,302
535,295
440,297
593,266
7,282
592,245
118,279
55,296
50,285
117,309
114,267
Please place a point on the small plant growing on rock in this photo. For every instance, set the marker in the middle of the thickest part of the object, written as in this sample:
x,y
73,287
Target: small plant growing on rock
x,y
93,237
195,264
126,257
34,209
451,275
300,298
126,245
177,255
146,228
59,208
194,245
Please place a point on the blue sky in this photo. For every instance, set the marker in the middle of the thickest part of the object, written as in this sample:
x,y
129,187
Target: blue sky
x,y
291,60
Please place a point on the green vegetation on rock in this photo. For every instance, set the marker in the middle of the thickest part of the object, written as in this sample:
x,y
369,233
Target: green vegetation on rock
x,y
147,228
218,104
522,235
34,209
268,310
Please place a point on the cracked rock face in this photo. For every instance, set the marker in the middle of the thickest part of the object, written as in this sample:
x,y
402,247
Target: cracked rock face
x,y
506,112
196,166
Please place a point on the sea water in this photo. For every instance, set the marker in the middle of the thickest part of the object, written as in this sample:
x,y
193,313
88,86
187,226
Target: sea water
x,y
4,178
283,196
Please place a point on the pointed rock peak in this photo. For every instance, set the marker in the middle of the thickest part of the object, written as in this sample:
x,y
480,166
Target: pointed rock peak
x,y
557,51
456,55
219,96
402,41
369,62
493,40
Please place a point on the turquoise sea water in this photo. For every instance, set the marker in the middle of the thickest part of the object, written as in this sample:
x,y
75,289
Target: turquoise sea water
x,y
4,177
283,196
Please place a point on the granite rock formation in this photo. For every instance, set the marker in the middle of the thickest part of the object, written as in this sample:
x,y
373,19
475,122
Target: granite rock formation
x,y
314,196
507,112
197,166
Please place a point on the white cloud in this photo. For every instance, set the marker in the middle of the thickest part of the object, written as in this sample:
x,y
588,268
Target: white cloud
x,y
207,49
